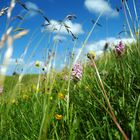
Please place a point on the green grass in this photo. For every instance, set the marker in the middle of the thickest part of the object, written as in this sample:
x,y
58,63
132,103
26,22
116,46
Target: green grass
x,y
29,114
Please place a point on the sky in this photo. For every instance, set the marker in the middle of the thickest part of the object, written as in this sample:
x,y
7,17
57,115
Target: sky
x,y
39,39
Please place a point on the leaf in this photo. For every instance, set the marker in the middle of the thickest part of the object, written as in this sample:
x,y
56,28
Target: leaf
x,y
74,37
3,11
21,34
97,23
45,24
71,17
19,17
22,4
46,19
66,25
19,29
68,30
123,32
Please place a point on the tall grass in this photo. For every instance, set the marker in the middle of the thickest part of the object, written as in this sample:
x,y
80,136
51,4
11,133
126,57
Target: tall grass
x,y
104,104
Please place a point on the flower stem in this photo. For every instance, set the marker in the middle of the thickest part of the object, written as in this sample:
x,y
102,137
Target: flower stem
x,y
108,102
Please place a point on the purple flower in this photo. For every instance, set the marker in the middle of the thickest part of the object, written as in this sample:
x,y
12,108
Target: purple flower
x,y
119,49
77,72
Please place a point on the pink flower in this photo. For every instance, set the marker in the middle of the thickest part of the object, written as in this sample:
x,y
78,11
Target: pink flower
x,y
119,49
77,72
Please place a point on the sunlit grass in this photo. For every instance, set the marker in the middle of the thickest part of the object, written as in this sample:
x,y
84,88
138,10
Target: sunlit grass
x,y
93,99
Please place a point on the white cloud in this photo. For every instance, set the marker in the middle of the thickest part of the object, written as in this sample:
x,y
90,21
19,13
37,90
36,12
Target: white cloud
x,y
59,37
14,61
55,26
98,46
32,7
100,6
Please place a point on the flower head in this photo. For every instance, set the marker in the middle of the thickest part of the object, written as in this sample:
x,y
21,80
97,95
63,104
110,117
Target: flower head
x,y
61,96
58,117
77,72
91,55
119,49
37,64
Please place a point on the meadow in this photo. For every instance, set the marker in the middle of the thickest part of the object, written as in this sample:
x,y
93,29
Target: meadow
x,y
95,99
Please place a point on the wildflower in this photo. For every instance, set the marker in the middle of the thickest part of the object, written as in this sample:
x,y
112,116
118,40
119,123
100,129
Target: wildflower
x,y
37,64
61,96
77,72
25,97
58,117
119,49
13,101
91,55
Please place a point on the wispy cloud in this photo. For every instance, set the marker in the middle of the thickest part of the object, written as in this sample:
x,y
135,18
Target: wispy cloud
x,y
32,7
14,61
59,37
56,27
100,6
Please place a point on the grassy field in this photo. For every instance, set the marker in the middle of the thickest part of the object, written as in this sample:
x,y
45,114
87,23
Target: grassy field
x,y
47,113
91,98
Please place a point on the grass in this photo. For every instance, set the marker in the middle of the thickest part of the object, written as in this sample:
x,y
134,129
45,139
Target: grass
x,y
31,114
103,104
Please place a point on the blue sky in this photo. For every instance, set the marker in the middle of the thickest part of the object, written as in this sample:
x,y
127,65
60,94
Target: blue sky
x,y
85,10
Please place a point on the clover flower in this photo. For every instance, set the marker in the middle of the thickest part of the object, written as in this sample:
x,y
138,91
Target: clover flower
x,y
119,49
77,72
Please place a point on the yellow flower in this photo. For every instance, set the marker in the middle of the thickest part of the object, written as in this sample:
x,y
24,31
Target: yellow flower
x,y
37,64
51,98
13,101
91,55
25,97
61,96
58,117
